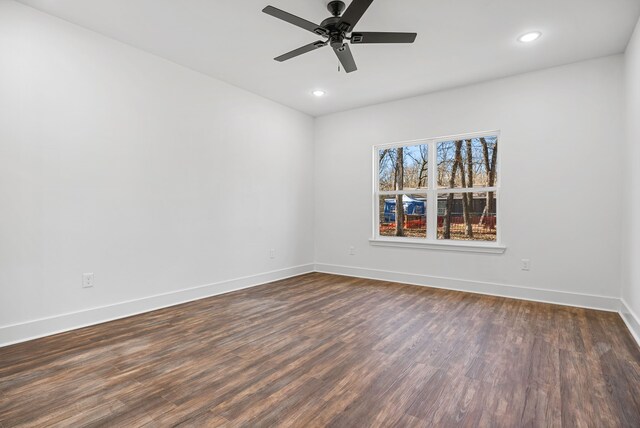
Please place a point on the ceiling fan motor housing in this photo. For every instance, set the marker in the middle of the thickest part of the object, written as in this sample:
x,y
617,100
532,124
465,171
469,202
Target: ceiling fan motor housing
x,y
334,33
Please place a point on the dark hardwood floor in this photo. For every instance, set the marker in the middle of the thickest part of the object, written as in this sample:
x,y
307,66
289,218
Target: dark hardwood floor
x,y
324,350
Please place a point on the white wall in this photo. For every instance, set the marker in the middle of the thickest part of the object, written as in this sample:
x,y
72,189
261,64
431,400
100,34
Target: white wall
x,y
631,248
152,176
561,154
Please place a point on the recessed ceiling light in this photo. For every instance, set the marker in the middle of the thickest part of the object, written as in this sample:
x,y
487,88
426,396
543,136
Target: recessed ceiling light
x,y
530,37
319,93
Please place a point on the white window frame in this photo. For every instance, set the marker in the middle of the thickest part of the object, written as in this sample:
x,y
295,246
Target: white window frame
x,y
431,193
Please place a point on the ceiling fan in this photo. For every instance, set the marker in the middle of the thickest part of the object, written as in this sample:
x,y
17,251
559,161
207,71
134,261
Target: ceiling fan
x,y
336,29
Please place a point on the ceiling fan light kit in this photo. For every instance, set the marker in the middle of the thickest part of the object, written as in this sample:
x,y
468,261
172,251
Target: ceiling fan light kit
x,y
337,29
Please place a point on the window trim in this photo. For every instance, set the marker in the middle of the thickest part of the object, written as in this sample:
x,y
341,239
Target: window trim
x,y
431,241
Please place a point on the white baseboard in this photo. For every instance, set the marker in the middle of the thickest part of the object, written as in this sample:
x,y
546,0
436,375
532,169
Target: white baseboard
x,y
611,304
631,320
22,332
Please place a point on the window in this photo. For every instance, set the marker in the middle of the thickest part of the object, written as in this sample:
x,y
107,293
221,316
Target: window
x,y
438,191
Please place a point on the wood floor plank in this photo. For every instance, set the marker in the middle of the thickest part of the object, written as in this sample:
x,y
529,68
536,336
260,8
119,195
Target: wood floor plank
x,y
324,350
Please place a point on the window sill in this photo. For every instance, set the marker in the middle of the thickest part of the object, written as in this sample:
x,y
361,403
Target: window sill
x,y
459,246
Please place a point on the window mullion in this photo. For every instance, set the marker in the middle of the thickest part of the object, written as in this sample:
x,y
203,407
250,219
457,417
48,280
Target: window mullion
x,y
432,196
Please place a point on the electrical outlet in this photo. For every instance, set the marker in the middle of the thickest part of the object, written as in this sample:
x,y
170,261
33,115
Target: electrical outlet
x,y
272,253
87,280
525,264
352,251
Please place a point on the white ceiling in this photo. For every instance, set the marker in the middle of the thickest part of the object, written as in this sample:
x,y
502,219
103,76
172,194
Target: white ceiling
x,y
459,42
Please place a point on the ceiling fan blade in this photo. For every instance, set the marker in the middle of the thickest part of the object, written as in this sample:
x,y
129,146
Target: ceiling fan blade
x,y
295,20
346,58
358,38
352,15
304,49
